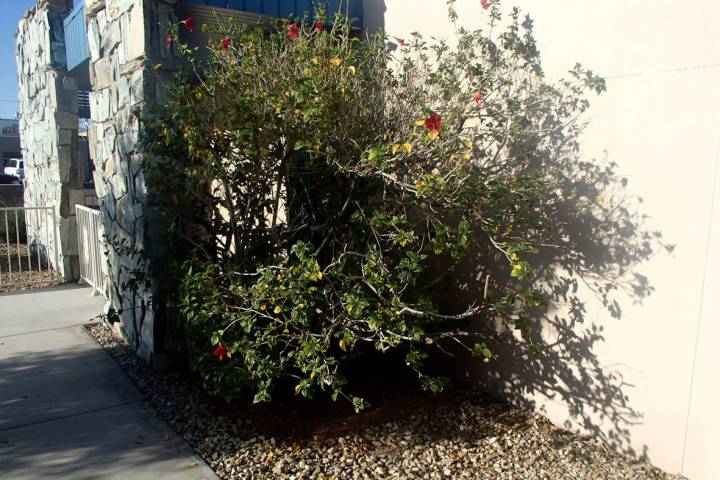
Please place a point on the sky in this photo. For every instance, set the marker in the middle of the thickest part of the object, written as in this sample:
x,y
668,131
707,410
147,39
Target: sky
x,y
12,12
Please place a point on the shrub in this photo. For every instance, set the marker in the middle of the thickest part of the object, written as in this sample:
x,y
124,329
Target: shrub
x,y
314,182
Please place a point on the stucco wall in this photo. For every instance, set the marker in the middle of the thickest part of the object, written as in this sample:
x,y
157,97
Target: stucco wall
x,y
646,382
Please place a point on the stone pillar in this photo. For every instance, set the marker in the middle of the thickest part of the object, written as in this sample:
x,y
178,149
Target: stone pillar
x,y
49,131
126,43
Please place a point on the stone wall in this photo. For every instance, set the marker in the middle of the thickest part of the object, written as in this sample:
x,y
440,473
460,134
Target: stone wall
x,y
49,129
126,43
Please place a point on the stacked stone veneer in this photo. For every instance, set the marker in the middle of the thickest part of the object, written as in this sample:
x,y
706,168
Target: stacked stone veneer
x,y
126,43
49,133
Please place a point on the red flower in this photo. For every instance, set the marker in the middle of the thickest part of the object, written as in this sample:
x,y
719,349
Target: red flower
x,y
293,31
401,41
226,44
319,26
169,39
188,22
477,96
221,352
433,123
485,4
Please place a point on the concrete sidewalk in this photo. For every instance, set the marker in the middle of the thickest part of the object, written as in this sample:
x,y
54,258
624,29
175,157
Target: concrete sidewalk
x,y
66,409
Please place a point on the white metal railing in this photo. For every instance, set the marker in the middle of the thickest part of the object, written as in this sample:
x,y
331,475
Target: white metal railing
x,y
91,248
28,245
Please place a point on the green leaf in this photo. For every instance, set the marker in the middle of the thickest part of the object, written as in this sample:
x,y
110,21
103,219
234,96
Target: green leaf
x,y
481,350
359,404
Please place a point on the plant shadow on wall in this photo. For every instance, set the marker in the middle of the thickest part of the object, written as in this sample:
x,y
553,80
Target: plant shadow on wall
x,y
588,265
311,180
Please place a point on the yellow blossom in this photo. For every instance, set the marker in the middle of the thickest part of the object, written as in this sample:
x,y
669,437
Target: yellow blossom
x,y
315,60
420,123
277,310
351,69
336,61
406,147
433,134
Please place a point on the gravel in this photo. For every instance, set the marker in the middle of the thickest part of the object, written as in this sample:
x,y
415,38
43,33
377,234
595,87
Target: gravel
x,y
30,277
459,435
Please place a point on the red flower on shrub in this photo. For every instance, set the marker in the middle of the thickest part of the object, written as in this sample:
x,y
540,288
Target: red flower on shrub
x,y
221,352
188,23
400,41
485,4
433,123
319,26
226,44
477,96
293,31
169,39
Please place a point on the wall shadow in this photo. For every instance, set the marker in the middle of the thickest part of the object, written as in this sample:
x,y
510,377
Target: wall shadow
x,y
71,413
589,264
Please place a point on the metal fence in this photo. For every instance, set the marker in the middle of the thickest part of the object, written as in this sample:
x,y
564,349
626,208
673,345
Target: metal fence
x,y
28,245
91,248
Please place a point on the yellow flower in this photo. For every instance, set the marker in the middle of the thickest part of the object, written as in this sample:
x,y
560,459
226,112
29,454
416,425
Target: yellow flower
x,y
263,307
336,61
342,345
406,147
319,275
420,123
352,69
466,156
298,388
306,72
433,134
277,310
313,375
315,60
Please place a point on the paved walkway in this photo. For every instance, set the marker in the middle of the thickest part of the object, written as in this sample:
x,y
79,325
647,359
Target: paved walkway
x,y
66,410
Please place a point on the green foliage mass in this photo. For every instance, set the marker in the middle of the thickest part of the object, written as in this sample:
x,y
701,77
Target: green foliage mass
x,y
313,184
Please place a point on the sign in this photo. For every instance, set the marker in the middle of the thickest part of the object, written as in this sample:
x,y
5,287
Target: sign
x,y
9,128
